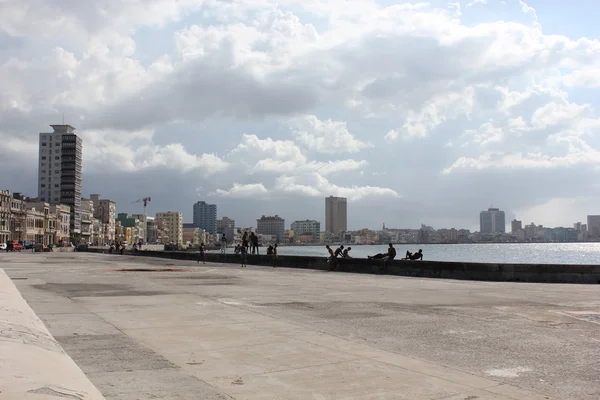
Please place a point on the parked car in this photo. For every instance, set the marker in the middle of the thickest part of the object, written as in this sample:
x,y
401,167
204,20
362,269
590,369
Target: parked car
x,y
3,246
14,245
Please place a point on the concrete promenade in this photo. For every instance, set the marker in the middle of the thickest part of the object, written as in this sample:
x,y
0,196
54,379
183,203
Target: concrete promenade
x,y
217,331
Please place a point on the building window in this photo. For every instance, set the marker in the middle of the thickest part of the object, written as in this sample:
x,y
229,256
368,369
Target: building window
x,y
56,185
56,164
57,158
43,157
43,185
56,199
43,144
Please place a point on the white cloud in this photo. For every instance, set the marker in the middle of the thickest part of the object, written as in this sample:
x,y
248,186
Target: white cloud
x,y
328,136
253,190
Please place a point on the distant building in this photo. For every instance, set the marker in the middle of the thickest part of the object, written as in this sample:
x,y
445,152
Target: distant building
x,y
106,211
515,226
336,214
171,223
308,226
224,223
60,170
205,217
274,226
492,221
151,234
593,226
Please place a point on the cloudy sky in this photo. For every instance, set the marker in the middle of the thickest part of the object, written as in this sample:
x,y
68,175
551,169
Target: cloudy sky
x,y
418,112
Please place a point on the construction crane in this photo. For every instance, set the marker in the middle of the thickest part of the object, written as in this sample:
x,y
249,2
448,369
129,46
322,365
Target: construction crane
x,y
145,200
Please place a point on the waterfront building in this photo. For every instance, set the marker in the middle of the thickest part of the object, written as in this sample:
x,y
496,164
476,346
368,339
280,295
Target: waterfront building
x,y
172,225
205,216
60,170
224,223
515,226
105,211
593,226
336,214
307,226
272,225
492,221
5,202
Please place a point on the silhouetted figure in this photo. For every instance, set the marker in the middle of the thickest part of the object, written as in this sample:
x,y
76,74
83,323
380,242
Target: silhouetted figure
x,y
391,254
270,250
254,242
345,253
338,251
201,255
416,256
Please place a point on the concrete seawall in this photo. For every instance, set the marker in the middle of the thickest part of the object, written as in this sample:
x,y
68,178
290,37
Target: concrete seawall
x,y
33,366
541,273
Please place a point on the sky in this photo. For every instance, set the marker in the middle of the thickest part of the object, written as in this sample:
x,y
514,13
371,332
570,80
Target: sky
x,y
416,111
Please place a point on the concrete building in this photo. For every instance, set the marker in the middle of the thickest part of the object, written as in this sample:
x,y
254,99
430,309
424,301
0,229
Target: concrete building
x,y
87,221
492,221
593,226
172,224
62,216
336,214
224,223
60,170
151,230
515,226
308,226
5,202
106,211
274,226
205,217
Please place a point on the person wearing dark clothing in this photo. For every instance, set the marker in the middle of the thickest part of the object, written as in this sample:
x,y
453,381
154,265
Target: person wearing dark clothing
x,y
270,250
245,240
345,253
275,255
243,253
201,258
377,256
338,251
254,242
416,256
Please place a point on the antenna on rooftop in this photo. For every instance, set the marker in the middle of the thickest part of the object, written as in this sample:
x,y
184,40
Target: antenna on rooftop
x,y
63,118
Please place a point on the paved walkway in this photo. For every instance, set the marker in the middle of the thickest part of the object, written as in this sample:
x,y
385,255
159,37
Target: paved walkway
x,y
221,332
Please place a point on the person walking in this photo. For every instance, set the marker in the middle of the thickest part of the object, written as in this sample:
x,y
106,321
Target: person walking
x,y
201,258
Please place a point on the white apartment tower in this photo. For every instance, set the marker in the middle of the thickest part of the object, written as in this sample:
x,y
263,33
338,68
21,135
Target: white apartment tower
x,y
336,214
59,170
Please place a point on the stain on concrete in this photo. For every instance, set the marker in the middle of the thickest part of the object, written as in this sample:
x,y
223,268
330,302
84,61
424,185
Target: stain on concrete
x,y
95,290
110,353
151,270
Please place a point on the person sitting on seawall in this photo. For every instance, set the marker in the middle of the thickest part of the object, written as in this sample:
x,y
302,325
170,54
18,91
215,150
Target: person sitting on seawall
x,y
391,254
338,251
345,253
417,256
270,250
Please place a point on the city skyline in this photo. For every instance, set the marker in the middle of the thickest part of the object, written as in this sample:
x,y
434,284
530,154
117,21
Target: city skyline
x,y
269,108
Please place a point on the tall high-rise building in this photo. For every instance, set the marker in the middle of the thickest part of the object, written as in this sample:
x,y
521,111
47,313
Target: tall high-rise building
x,y
593,225
59,170
515,226
336,214
205,216
271,226
492,221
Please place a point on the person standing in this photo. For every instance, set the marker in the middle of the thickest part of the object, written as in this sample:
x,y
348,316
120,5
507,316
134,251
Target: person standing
x,y
245,240
243,253
254,242
275,255
201,258
223,244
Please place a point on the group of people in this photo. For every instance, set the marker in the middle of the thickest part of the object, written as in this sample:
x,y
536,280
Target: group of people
x,y
391,254
250,243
